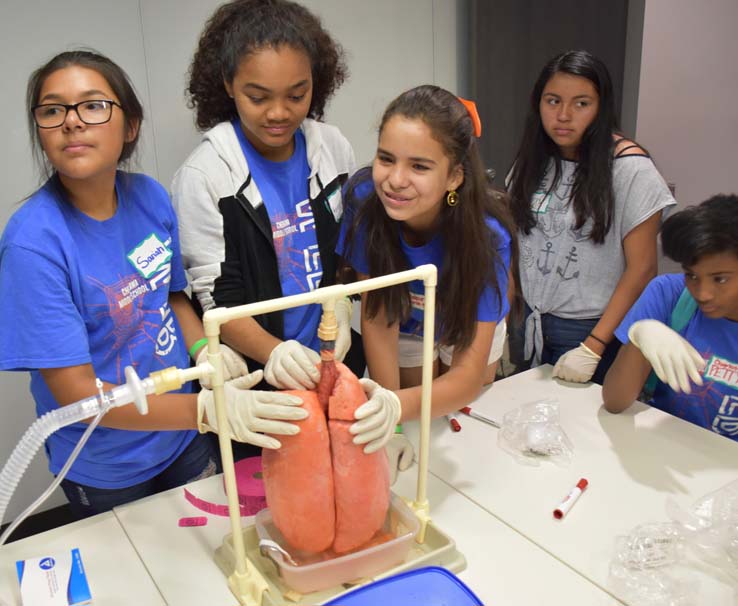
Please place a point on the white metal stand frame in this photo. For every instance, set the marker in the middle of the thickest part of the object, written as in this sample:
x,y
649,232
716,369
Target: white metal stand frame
x,y
245,581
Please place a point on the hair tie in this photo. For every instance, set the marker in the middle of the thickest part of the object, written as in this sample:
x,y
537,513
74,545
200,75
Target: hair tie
x,y
471,107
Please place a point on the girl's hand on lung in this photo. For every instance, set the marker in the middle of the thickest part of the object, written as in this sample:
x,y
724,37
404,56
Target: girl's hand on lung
x,y
400,453
671,356
577,365
343,319
251,414
376,419
291,365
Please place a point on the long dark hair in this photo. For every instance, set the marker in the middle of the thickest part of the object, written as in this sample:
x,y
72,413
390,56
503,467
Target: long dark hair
x,y
592,193
239,28
470,248
116,78
710,228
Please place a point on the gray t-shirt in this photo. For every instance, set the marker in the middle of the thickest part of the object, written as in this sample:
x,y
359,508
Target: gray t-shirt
x,y
562,271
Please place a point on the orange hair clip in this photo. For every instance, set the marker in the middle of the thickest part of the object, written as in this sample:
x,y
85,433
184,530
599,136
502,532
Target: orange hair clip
x,y
471,107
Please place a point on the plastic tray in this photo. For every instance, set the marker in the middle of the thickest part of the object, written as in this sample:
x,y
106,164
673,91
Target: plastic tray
x,y
438,549
401,521
430,586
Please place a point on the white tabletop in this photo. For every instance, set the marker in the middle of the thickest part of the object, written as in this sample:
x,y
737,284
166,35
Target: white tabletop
x,y
114,572
503,567
180,559
634,461
500,561
498,511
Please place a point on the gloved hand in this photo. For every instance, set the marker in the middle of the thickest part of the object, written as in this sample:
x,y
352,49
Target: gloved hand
x,y
292,366
671,356
400,453
343,319
377,418
250,412
234,365
577,365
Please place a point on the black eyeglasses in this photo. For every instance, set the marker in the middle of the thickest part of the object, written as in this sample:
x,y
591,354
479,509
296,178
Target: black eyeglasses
x,y
92,111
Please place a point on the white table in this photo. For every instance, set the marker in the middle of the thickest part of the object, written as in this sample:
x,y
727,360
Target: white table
x,y
180,560
504,568
114,572
498,511
634,461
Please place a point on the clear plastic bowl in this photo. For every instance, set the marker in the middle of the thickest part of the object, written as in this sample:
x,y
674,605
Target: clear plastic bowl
x,y
401,522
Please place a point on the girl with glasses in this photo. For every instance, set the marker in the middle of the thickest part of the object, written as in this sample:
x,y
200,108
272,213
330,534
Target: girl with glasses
x,y
90,111
91,281
587,203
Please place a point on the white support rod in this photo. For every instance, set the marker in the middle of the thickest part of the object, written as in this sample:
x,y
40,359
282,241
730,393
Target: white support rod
x,y
214,318
215,358
426,386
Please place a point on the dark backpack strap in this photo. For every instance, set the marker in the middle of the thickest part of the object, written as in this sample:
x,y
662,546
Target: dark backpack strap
x,y
683,311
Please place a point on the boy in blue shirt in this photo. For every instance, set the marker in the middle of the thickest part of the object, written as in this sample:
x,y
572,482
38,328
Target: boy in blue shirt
x,y
696,359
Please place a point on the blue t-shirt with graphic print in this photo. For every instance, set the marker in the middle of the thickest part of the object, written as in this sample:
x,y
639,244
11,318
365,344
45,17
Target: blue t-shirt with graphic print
x,y
284,190
75,290
490,308
714,405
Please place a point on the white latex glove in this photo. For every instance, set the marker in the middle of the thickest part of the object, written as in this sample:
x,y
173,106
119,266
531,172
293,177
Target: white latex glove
x,y
292,366
343,319
400,453
376,419
673,359
577,365
252,413
234,365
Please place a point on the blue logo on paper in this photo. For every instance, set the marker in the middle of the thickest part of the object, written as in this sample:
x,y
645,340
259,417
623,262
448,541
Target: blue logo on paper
x,y
47,564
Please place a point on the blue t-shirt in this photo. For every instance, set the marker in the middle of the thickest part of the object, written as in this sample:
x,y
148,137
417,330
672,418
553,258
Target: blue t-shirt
x,y
490,308
75,290
284,190
715,404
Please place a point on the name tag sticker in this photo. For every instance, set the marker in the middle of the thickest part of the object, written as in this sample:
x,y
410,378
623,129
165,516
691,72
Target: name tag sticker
x,y
723,371
540,201
149,256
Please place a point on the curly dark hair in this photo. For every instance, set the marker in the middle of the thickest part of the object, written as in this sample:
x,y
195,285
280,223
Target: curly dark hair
x,y
245,26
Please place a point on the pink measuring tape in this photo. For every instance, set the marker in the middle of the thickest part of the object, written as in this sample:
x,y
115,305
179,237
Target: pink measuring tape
x,y
251,495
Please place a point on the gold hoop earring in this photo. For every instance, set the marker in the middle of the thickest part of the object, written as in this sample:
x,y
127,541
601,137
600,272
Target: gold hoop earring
x,y
452,198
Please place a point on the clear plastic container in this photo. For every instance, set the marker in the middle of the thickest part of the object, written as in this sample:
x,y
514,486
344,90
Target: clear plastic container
x,y
401,522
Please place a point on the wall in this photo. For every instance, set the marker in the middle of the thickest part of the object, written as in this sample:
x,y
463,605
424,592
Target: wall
x,y
511,40
390,47
383,58
632,67
687,115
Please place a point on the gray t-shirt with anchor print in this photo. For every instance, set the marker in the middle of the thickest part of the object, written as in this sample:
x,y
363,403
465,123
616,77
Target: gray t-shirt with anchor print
x,y
562,271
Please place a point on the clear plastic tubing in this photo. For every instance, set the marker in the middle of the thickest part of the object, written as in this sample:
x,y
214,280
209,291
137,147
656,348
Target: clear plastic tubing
x,y
47,424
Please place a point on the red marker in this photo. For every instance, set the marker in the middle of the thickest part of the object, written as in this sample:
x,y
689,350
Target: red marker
x,y
480,417
453,422
570,499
